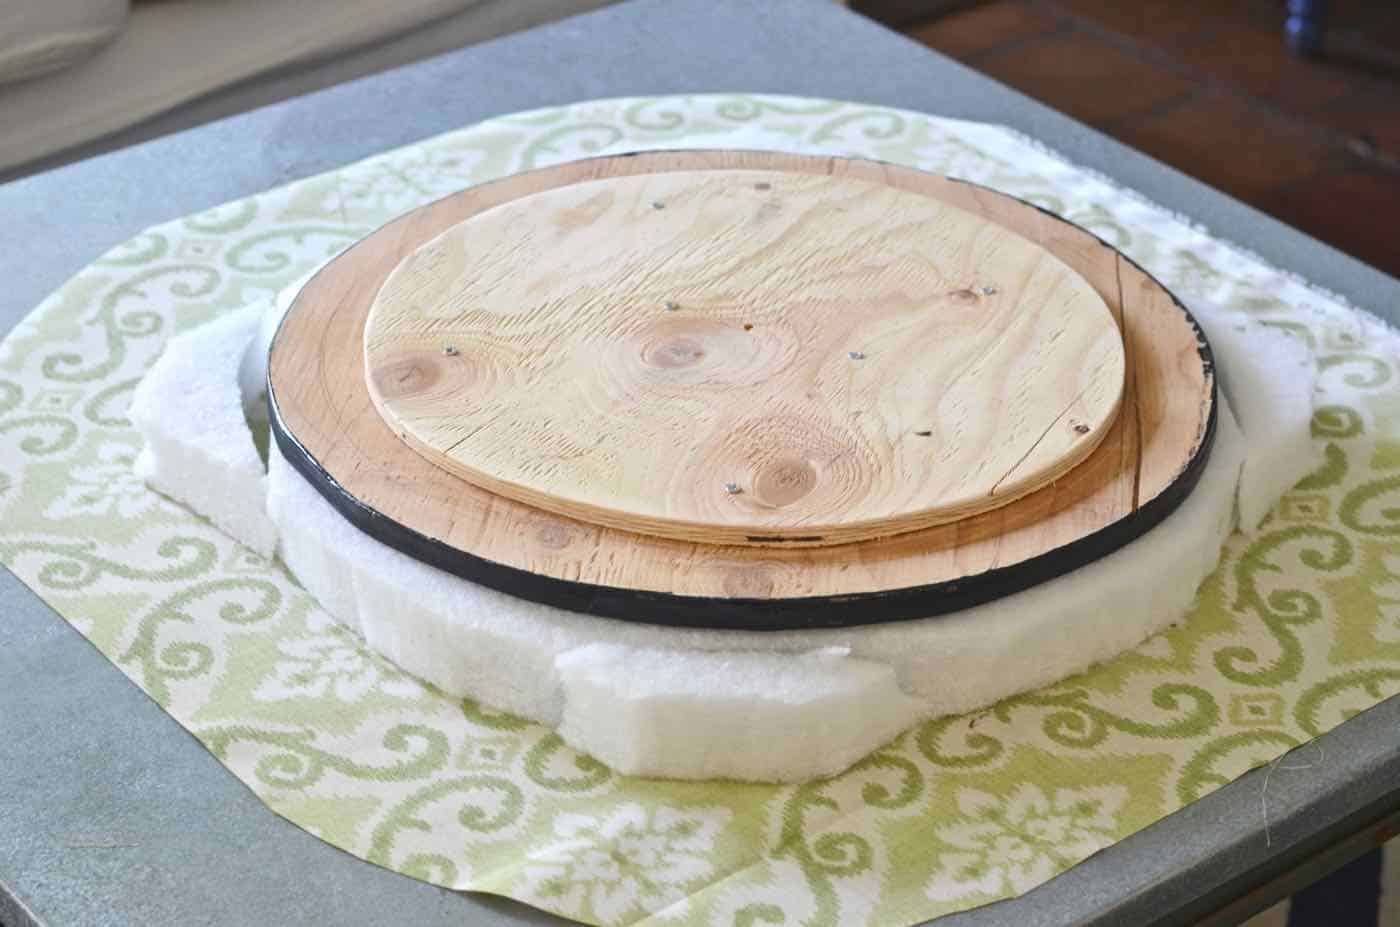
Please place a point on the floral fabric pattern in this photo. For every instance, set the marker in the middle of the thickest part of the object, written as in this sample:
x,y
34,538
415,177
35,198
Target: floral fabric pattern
x,y
336,664
633,862
1296,631
1005,846
106,486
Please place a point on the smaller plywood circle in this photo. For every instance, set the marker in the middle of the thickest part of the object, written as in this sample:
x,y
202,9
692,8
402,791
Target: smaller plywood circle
x,y
744,357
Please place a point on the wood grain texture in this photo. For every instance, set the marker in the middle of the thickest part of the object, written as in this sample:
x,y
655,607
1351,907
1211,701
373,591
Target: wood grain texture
x,y
326,423
744,357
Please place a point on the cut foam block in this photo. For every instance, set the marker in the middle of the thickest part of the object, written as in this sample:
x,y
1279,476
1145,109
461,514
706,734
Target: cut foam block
x,y
473,641
199,449
1269,376
252,369
321,569
969,659
788,706
774,716
466,639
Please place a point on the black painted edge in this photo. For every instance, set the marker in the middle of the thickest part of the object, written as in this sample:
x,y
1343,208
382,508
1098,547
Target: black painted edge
x,y
646,606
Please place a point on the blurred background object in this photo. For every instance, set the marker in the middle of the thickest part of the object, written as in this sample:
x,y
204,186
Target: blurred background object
x,y
39,37
1306,25
78,77
1212,88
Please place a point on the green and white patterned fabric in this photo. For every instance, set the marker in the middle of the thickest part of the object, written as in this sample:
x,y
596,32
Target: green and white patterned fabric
x,y
1296,631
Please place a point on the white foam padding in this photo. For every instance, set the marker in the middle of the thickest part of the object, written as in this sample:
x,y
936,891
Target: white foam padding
x,y
194,408
823,707
1269,376
252,370
536,661
199,449
785,706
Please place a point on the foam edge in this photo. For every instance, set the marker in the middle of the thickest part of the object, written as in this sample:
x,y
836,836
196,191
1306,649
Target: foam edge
x,y
773,707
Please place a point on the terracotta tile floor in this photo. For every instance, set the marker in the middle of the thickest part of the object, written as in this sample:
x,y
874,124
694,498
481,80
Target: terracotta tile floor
x,y
1208,87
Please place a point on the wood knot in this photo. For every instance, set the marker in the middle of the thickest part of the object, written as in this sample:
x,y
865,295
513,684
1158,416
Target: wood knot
x,y
554,536
785,481
673,353
768,211
407,377
751,581
585,213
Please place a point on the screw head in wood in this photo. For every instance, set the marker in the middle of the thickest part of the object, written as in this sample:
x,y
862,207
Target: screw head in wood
x,y
657,204
732,488
1081,429
856,355
989,291
670,305
450,351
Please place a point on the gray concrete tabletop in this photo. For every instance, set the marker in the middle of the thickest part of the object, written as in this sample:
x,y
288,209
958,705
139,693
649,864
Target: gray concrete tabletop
x,y
110,814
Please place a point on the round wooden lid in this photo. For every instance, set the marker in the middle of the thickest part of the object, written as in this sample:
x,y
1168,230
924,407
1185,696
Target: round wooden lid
x,y
744,356
325,424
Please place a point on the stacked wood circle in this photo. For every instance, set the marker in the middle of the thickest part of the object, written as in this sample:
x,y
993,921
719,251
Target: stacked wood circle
x,y
743,390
